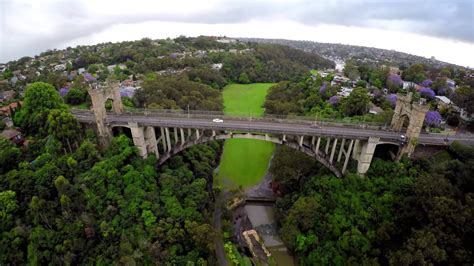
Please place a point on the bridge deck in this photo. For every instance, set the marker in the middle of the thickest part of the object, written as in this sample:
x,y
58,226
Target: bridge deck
x,y
270,126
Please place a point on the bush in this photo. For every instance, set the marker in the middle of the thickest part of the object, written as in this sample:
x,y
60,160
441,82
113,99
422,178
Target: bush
x,y
75,96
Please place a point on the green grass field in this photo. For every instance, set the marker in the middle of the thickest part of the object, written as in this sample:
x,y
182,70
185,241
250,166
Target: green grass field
x,y
245,99
244,161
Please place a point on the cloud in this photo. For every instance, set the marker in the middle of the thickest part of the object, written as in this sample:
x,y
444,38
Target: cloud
x,y
32,26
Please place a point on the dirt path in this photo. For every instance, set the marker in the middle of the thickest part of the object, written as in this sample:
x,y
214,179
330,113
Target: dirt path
x,y
218,242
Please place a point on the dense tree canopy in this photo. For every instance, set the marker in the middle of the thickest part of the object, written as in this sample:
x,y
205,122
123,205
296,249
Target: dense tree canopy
x,y
178,92
401,214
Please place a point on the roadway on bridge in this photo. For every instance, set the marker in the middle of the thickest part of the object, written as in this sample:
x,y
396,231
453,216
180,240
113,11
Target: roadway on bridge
x,y
282,126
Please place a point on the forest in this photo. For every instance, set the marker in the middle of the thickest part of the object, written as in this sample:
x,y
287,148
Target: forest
x,y
406,213
64,200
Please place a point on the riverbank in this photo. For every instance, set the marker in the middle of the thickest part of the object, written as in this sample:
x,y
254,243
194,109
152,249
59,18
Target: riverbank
x,y
260,216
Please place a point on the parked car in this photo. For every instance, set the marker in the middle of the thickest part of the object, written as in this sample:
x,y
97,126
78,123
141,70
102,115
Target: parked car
x,y
217,120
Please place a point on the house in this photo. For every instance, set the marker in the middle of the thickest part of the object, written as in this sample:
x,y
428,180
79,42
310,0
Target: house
x,y
8,121
451,83
375,110
13,135
6,110
409,85
226,40
345,91
216,66
81,70
6,95
200,53
339,80
111,68
443,101
60,67
3,67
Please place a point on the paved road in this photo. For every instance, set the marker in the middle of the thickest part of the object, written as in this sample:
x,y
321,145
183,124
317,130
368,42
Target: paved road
x,y
263,126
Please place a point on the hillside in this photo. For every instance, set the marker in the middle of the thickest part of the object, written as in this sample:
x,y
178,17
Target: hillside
x,y
336,51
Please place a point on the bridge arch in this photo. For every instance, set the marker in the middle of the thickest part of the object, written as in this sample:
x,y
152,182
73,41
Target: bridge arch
x,y
320,156
333,153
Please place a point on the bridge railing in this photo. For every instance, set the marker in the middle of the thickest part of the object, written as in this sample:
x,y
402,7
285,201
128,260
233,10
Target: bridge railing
x,y
245,117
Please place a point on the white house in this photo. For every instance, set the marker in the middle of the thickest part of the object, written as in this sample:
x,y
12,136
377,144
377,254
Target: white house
x,y
60,67
217,66
451,83
345,91
226,40
408,84
443,99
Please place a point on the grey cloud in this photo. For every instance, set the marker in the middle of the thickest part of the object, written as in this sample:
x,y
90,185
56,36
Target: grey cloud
x,y
440,18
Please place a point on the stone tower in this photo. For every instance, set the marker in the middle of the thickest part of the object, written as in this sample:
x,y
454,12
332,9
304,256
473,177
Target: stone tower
x,y
99,96
415,113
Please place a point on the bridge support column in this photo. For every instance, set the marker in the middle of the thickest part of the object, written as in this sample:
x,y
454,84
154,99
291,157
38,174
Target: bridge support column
x,y
150,141
327,146
176,137
183,139
168,140
197,134
316,150
366,154
340,150
357,148
348,155
334,144
138,138
163,138
301,141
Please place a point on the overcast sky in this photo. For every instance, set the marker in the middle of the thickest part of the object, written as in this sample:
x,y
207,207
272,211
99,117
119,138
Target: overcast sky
x,y
440,28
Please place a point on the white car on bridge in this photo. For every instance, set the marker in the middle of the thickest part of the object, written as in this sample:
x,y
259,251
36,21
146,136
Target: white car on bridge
x,y
217,120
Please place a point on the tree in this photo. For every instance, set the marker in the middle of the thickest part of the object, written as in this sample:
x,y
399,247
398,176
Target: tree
x,y
39,99
9,154
8,205
243,78
464,98
92,68
351,71
75,96
357,103
63,126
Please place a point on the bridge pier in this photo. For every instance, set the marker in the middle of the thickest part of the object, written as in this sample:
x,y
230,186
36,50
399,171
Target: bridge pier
x,y
366,154
150,141
138,137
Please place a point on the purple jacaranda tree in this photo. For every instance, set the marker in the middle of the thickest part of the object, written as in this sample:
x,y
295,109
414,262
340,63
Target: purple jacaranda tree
x,y
432,118
427,93
88,77
395,79
426,83
127,92
323,88
63,91
334,100
392,98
